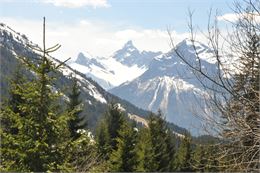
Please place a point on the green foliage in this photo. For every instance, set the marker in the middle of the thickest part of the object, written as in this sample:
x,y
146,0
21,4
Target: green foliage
x,y
83,152
42,137
77,121
103,140
41,140
159,146
183,156
204,159
115,118
125,158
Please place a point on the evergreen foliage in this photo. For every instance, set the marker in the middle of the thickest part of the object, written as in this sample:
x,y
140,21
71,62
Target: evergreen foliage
x,y
41,141
74,106
183,156
160,146
103,140
125,158
108,130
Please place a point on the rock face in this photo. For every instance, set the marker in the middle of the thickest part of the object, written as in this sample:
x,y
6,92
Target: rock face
x,y
170,85
129,55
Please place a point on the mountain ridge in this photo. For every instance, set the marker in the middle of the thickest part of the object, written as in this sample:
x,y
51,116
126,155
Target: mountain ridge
x,y
170,85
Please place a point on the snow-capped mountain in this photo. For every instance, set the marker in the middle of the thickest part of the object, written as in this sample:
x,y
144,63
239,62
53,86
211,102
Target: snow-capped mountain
x,y
170,85
125,65
129,55
95,99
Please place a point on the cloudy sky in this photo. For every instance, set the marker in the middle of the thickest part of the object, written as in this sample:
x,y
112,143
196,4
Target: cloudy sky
x,y
100,27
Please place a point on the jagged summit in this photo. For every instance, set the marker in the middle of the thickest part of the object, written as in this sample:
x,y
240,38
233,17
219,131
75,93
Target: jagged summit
x,y
81,59
128,44
129,55
168,84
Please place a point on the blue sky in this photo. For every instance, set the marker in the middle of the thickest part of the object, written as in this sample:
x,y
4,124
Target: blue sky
x,y
102,26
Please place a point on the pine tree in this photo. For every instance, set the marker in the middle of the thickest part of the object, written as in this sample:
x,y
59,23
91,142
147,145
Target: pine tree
x,y
77,121
203,158
125,158
115,118
15,99
103,140
170,142
183,155
108,130
41,141
148,163
160,147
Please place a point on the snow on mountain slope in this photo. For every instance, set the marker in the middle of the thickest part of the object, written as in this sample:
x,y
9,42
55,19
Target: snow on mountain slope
x,y
16,42
94,98
108,72
129,55
124,65
170,85
86,85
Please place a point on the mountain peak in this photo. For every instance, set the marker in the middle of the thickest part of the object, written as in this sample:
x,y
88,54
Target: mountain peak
x,y
129,43
184,43
129,46
82,59
188,43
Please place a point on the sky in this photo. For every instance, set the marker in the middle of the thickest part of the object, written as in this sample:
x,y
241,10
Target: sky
x,y
100,27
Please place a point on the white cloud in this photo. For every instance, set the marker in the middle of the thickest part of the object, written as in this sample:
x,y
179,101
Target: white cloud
x,y
78,3
98,39
234,17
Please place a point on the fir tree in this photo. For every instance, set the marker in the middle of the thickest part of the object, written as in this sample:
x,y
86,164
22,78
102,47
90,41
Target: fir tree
x,y
125,158
183,155
115,118
103,140
41,141
203,158
77,121
108,130
15,98
160,147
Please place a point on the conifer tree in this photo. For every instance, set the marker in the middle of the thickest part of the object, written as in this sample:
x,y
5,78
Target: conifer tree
x,y
115,118
74,106
15,98
183,155
148,165
41,141
125,158
160,149
203,158
103,140
108,130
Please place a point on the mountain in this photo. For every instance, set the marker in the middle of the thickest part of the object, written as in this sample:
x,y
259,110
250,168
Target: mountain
x,y
14,45
125,65
171,86
129,55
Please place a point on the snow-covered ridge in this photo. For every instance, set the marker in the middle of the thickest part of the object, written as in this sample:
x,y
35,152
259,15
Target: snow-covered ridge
x,y
16,36
12,39
168,84
108,72
86,85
